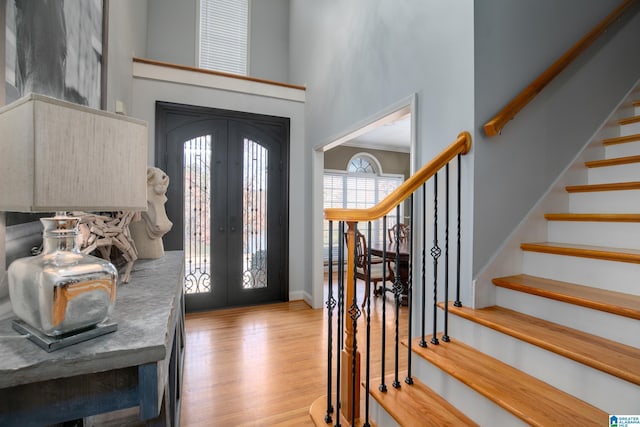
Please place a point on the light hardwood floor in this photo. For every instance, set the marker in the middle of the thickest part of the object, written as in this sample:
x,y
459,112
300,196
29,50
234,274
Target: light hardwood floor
x,y
264,365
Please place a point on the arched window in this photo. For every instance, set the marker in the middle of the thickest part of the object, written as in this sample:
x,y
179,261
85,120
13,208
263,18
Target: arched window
x,y
364,163
362,185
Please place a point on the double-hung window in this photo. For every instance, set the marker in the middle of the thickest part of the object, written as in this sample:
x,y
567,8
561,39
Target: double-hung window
x,y
224,27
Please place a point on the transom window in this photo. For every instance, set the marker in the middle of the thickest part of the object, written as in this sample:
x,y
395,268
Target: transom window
x,y
223,35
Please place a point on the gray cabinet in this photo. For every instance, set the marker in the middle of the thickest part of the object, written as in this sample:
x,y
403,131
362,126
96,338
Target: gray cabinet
x,y
139,365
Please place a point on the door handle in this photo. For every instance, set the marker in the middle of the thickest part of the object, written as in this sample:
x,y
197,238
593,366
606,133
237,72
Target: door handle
x,y
221,229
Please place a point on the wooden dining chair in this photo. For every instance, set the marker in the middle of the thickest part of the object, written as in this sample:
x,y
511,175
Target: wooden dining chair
x,y
362,268
399,231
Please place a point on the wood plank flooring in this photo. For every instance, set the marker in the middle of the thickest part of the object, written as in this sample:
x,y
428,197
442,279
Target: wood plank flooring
x,y
265,365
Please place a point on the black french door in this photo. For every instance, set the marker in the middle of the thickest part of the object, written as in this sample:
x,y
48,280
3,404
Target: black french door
x,y
228,200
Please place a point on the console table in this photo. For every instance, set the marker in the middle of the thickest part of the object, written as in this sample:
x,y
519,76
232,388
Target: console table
x,y
140,364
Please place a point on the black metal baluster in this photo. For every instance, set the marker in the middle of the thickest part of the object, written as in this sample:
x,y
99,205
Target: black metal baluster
x,y
445,335
340,323
383,385
423,343
397,292
354,313
409,378
435,254
458,303
368,359
331,303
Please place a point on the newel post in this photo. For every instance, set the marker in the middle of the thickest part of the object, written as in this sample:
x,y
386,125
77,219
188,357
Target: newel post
x,y
350,357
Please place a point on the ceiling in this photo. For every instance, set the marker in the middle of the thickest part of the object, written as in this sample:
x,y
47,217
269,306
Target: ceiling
x,y
392,136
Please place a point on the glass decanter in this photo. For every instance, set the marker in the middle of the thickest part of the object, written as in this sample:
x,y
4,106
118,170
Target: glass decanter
x,y
62,290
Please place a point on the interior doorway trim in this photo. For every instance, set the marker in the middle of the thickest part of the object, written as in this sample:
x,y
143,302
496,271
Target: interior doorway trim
x,y
389,114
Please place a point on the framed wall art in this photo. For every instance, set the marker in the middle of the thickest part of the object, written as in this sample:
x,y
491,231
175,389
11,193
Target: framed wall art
x,y
56,48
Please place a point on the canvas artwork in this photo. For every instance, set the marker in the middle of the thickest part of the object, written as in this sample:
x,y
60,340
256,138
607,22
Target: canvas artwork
x,y
54,47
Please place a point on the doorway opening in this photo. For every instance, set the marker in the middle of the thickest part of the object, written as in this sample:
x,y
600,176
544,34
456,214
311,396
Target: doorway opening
x,y
388,138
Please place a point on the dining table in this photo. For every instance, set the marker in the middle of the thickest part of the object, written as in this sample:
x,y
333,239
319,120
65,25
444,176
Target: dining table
x,y
398,253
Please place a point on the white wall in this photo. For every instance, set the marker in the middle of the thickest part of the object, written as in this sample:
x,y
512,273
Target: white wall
x,y
147,91
514,43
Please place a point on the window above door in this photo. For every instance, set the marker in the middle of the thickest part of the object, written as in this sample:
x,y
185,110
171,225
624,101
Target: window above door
x,y
223,35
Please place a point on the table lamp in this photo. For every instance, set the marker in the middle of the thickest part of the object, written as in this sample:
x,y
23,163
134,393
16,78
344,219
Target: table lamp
x,y
58,157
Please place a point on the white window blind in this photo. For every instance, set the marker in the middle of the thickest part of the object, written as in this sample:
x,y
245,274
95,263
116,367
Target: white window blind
x,y
223,35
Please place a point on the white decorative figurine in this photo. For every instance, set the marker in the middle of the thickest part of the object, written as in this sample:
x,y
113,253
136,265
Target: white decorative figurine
x,y
147,233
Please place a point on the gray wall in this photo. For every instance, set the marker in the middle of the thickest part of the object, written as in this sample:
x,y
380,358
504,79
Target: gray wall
x,y
171,35
127,39
269,40
171,31
359,57
514,43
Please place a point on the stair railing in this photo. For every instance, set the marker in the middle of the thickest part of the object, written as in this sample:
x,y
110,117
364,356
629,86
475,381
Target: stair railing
x,y
509,111
342,404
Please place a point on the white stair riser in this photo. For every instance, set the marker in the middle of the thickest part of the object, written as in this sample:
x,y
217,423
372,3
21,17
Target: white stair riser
x,y
621,201
606,325
630,129
636,110
379,416
475,406
614,276
619,173
583,382
610,234
622,150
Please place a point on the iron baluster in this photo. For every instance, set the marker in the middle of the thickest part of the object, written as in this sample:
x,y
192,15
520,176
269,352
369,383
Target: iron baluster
x,y
339,343
409,378
383,385
423,343
445,335
458,303
368,359
435,254
397,291
354,313
331,303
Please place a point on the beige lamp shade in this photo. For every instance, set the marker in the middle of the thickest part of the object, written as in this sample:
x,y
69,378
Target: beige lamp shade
x,y
59,156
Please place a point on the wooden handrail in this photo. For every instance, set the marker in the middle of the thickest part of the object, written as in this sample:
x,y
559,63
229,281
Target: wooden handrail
x,y
495,125
215,73
461,145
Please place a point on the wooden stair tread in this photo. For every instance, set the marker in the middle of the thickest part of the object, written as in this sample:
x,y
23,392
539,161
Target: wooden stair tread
x,y
621,139
612,162
608,356
633,185
418,405
533,401
618,303
584,251
318,410
629,120
593,217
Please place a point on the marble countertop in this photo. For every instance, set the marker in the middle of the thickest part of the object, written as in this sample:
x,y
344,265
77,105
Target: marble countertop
x,y
145,309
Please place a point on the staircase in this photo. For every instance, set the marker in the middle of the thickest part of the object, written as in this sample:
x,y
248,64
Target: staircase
x,y
561,345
